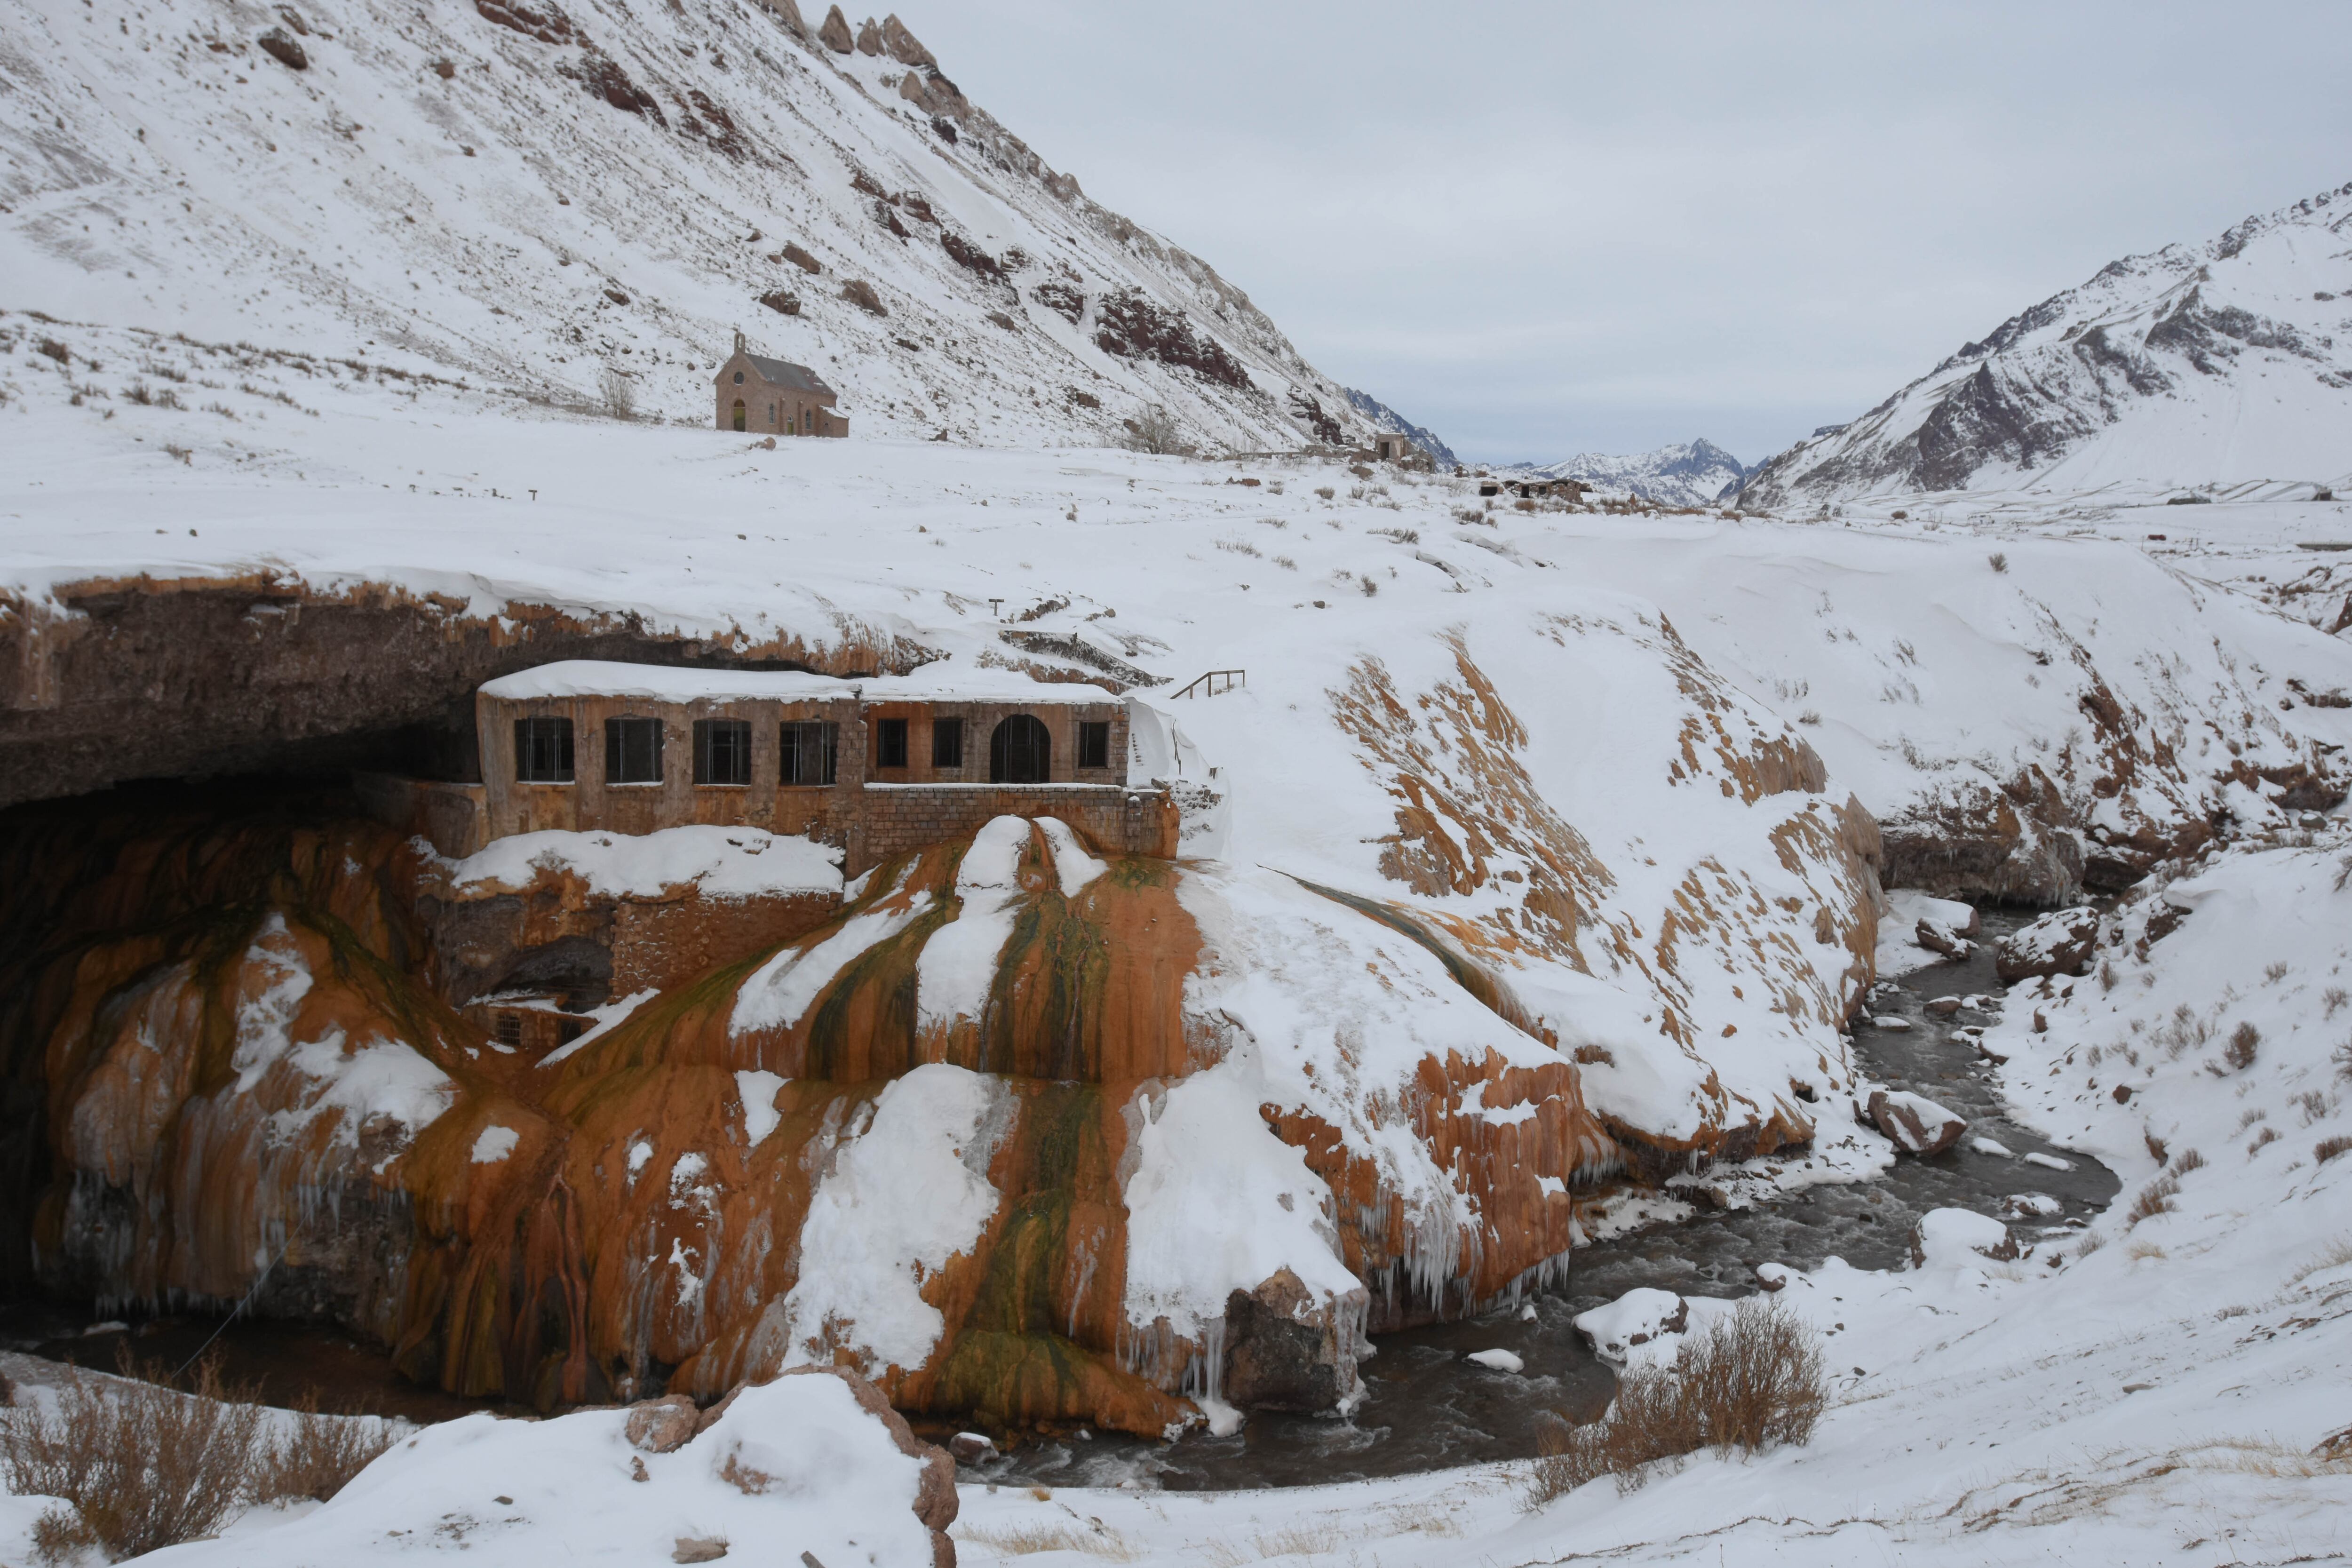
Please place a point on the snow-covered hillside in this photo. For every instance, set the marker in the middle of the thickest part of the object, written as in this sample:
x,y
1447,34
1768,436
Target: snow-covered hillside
x,y
541,198
2221,362
1693,473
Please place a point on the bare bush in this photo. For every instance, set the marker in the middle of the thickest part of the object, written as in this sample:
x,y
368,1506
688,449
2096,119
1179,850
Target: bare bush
x,y
2240,1052
2335,997
2191,1159
1154,430
2329,1148
142,1465
315,1456
617,393
1997,561
1749,1381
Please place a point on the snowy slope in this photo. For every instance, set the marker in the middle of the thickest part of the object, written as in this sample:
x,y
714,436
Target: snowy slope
x,y
1693,473
532,195
2219,362
1383,418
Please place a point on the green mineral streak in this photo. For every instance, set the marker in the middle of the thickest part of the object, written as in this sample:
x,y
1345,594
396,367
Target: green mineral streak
x,y
1033,1373
1059,1134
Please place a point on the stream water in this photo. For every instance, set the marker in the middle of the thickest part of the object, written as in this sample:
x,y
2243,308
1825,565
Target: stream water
x,y
1427,1406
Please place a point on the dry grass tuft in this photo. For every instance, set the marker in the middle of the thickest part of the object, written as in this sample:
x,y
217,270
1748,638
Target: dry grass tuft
x,y
2239,1054
2329,1148
2335,1255
142,1465
2156,1199
1028,1539
1751,1381
2191,1159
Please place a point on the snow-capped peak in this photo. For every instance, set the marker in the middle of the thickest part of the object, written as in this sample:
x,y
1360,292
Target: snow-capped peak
x,y
2213,364
1691,473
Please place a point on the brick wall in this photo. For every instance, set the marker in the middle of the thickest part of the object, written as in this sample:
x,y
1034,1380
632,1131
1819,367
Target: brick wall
x,y
1110,819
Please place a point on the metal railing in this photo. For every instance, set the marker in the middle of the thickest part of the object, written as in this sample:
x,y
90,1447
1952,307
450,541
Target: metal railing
x,y
1207,684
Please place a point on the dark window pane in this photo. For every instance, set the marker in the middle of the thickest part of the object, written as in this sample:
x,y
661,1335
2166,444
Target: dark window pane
x,y
1094,742
1020,752
891,744
543,750
722,751
808,752
633,751
947,742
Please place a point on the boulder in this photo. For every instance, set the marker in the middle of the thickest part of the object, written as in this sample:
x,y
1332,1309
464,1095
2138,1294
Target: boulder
x,y
1937,937
659,1426
2057,943
697,1548
1636,1318
1916,1124
279,45
835,32
1943,1007
869,37
902,46
789,14
1946,1238
1285,1348
935,1495
970,1447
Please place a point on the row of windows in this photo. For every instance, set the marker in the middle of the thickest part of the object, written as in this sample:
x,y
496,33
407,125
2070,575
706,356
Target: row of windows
x,y
1020,751
633,752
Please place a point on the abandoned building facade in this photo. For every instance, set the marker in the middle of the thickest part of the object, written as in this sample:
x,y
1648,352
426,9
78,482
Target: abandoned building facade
x,y
877,766
761,395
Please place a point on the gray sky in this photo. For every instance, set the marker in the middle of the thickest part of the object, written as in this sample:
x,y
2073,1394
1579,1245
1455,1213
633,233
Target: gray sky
x,y
1545,228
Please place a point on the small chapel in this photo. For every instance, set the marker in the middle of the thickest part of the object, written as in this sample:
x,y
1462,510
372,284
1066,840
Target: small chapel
x,y
760,395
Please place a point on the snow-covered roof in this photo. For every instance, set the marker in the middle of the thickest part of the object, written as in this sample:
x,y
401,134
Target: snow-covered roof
x,y
946,682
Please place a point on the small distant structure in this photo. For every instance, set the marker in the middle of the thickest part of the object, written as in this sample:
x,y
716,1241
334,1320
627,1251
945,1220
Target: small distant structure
x,y
760,395
1389,447
1532,489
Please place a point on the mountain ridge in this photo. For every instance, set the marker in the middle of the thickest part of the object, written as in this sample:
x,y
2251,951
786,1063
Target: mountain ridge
x,y
2190,364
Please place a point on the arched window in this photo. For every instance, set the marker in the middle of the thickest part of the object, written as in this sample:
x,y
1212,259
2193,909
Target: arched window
x,y
739,413
739,378
1021,752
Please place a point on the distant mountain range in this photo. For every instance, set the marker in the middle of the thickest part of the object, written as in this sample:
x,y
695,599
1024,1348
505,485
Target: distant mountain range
x,y
1695,473
2219,363
1383,418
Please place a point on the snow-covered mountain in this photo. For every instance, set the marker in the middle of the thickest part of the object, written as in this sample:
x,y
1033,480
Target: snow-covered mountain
x,y
553,197
2219,363
1694,473
1383,418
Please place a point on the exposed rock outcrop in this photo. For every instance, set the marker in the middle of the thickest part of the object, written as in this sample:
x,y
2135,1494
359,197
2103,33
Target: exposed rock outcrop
x,y
2057,943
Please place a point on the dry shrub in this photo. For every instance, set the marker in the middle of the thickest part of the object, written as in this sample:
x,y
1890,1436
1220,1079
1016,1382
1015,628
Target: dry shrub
x,y
2329,1148
144,1465
2155,1200
1751,1381
316,1455
2240,1052
2191,1159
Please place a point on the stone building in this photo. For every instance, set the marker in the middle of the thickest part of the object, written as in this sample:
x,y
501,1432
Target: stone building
x,y
876,766
772,397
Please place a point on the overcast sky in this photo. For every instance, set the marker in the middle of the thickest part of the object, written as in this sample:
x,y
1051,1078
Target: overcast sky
x,y
1545,228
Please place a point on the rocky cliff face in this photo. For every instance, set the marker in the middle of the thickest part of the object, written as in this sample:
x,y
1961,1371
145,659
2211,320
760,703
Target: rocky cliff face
x,y
1021,1132
2193,365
